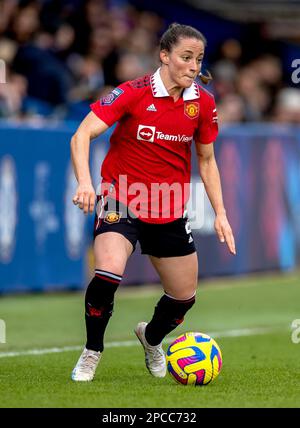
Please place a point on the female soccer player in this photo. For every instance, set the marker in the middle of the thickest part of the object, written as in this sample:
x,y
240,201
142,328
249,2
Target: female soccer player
x,y
145,177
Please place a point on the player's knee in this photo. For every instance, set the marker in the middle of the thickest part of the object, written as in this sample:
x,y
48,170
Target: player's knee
x,y
111,252
183,294
110,262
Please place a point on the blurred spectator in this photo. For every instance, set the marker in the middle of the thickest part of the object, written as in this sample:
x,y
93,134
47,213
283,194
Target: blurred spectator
x,y
48,78
89,77
287,108
131,65
254,94
231,50
26,23
231,109
7,9
63,40
61,54
225,75
13,92
11,95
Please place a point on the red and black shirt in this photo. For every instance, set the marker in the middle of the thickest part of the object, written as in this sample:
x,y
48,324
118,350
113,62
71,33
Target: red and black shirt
x,y
151,145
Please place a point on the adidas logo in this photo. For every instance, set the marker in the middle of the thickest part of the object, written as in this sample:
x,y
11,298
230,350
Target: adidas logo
x,y
190,239
151,108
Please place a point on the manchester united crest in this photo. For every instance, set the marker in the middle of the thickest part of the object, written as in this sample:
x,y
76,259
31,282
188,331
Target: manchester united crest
x,y
191,110
112,217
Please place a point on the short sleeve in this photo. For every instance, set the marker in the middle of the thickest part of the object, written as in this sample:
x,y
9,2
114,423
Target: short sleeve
x,y
207,130
113,106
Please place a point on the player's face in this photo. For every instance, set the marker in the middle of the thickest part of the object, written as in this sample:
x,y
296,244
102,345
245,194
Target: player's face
x,y
184,61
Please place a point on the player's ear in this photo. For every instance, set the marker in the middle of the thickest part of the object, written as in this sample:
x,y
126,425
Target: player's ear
x,y
164,56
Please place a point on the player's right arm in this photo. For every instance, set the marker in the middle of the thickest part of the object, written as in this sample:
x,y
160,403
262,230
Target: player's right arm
x,y
90,128
105,113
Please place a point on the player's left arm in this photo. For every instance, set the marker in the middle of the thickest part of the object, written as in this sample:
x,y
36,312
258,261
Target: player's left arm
x,y
210,175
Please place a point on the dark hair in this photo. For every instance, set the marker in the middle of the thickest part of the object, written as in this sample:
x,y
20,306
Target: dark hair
x,y
172,36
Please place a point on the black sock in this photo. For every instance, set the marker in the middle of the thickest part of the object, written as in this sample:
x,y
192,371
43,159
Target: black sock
x,y
99,302
168,314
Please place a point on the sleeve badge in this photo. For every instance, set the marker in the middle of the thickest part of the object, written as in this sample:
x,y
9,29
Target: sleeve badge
x,y
111,97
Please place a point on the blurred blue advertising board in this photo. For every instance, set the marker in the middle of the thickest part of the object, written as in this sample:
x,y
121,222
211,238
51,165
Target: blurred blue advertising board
x,y
44,238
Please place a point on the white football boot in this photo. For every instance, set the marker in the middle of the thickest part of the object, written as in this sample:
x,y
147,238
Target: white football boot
x,y
84,371
154,355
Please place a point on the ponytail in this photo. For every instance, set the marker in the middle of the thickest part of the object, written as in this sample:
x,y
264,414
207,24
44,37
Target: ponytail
x,y
205,78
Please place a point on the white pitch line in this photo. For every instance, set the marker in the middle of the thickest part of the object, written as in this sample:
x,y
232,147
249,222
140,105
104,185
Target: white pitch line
x,y
215,334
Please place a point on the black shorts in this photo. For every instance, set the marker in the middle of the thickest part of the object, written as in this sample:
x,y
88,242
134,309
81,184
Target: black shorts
x,y
171,239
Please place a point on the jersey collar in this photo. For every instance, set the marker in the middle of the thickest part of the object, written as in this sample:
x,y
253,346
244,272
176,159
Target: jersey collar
x,y
159,89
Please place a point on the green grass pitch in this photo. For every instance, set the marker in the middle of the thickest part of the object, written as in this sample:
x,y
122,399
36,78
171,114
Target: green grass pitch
x,y
250,318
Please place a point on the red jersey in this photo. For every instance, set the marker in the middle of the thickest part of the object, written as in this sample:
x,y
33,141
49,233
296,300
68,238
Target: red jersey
x,y
148,165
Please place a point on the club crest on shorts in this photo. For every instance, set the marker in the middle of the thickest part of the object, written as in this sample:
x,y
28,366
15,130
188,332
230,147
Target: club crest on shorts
x,y
112,217
191,110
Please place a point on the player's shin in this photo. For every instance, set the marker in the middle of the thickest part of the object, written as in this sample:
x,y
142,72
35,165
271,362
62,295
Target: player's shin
x,y
168,314
99,302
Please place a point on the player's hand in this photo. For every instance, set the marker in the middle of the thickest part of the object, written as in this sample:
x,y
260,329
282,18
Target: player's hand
x,y
85,198
224,232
